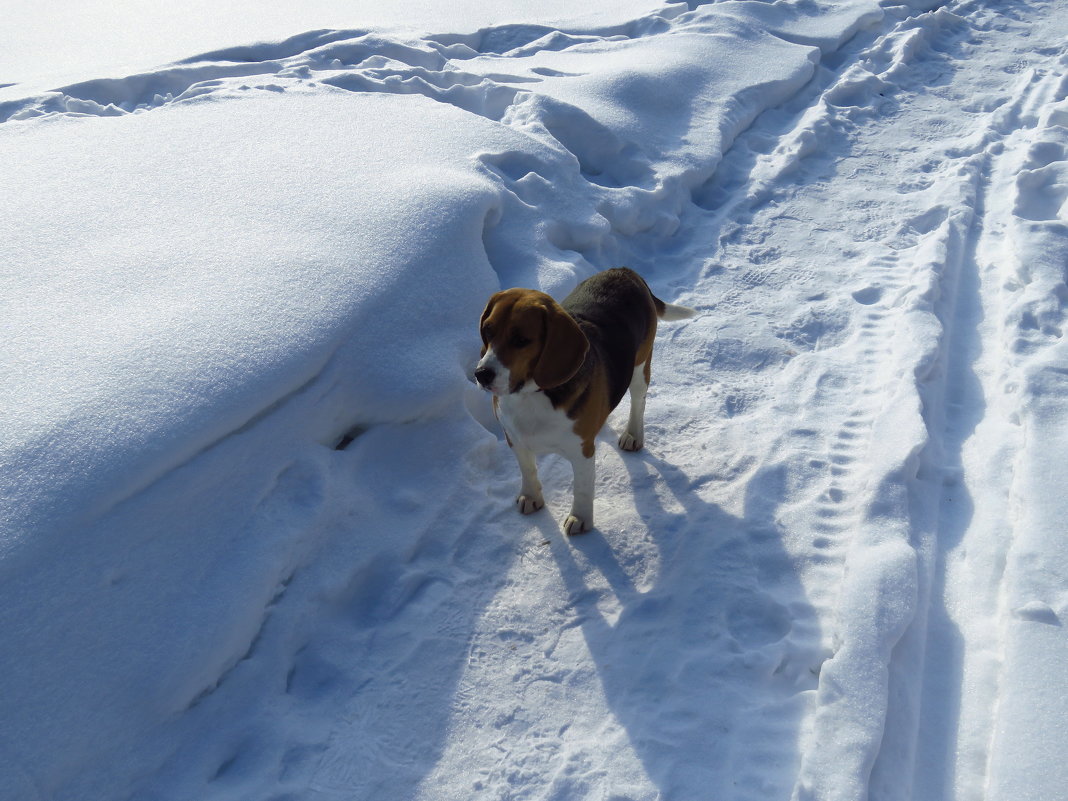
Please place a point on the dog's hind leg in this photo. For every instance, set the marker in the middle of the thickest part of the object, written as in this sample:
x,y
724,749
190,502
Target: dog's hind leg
x,y
634,437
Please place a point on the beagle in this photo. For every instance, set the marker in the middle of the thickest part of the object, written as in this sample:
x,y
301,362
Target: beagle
x,y
556,371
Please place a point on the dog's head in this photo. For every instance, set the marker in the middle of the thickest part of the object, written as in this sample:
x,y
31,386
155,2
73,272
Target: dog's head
x,y
528,343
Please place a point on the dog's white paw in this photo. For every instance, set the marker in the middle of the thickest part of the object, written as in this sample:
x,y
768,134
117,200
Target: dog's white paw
x,y
528,504
628,442
576,525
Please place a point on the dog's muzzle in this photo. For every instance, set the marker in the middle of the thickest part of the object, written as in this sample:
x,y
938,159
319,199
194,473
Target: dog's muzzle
x,y
484,376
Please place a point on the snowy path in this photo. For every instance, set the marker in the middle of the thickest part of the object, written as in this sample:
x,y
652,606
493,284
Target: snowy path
x,y
685,642
891,552
829,575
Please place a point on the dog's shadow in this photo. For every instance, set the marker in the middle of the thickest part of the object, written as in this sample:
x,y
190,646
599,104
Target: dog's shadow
x,y
686,657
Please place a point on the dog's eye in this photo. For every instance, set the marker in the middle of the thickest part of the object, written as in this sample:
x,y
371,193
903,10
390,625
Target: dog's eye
x,y
487,333
518,341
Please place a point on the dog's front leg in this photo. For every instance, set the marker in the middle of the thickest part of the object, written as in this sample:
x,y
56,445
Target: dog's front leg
x,y
581,517
530,499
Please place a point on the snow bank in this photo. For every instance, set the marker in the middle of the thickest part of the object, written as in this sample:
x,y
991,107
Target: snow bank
x,y
208,296
187,271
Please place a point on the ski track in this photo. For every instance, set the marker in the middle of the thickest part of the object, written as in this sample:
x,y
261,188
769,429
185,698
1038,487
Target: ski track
x,y
926,312
828,601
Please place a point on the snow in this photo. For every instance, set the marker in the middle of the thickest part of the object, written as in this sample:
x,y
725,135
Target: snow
x,y
58,41
257,537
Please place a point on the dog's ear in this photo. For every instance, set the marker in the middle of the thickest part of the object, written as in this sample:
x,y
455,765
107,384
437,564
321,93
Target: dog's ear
x,y
564,350
486,313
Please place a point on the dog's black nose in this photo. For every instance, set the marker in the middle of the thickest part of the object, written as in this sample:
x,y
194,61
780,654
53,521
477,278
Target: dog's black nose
x,y
485,376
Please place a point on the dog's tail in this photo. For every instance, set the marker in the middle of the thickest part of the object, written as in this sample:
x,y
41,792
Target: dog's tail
x,y
669,312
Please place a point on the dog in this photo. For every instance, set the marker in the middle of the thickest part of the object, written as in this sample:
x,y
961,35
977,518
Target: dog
x,y
556,371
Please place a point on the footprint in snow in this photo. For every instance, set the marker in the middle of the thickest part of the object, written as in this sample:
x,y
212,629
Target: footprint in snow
x,y
1037,612
868,295
755,620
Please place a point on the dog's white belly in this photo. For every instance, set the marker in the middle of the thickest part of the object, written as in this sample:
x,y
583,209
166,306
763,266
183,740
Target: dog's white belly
x,y
531,421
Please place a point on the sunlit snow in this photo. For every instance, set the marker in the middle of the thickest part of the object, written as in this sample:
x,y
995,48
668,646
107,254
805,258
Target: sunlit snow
x,y
257,531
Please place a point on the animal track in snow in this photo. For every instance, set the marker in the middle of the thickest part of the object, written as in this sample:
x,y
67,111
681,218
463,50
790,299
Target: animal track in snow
x,y
868,295
755,620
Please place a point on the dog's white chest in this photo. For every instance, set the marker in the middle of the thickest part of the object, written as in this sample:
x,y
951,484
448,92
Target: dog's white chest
x,y
531,421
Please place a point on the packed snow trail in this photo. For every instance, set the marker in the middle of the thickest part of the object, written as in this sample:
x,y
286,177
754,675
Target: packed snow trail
x,y
832,573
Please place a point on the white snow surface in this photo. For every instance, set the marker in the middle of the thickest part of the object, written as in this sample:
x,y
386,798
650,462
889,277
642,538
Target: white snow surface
x,y
257,531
